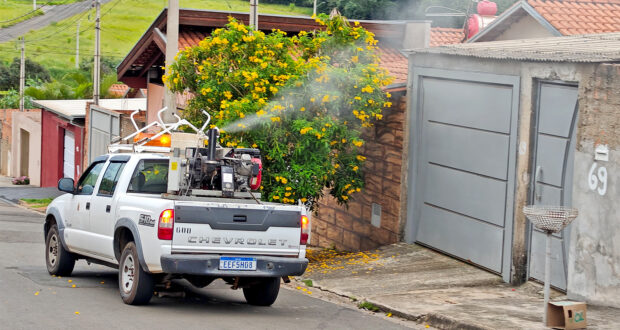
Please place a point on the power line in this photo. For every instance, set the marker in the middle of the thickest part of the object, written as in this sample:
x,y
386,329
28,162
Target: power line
x,y
30,12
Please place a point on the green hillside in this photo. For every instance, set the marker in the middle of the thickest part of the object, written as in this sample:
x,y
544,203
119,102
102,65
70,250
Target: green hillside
x,y
122,22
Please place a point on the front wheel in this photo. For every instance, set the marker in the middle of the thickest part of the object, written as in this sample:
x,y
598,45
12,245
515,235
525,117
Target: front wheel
x,y
263,293
58,260
135,285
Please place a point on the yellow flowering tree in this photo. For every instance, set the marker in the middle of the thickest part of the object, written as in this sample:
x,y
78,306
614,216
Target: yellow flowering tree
x,y
302,99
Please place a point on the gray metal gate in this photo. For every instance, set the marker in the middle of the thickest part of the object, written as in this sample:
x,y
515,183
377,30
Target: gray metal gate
x,y
462,176
552,165
104,125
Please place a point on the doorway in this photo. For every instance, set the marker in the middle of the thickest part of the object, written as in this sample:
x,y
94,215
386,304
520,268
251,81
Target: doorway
x,y
24,152
552,168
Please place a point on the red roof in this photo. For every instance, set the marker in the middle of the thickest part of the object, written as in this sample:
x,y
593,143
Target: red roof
x,y
445,36
118,90
580,16
391,59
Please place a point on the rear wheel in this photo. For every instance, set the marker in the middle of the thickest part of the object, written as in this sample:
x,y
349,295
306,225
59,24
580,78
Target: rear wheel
x,y
135,285
263,293
58,260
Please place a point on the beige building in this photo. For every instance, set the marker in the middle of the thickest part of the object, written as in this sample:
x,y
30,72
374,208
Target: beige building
x,y
26,146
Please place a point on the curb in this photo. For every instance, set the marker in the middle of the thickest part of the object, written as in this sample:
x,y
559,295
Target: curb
x,y
10,202
435,320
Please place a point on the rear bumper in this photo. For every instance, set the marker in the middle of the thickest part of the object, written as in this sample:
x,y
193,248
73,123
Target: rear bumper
x,y
209,265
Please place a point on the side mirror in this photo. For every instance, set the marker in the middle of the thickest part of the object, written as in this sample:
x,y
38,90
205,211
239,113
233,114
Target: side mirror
x,y
66,185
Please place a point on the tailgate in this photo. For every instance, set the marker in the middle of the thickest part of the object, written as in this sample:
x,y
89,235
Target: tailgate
x,y
234,228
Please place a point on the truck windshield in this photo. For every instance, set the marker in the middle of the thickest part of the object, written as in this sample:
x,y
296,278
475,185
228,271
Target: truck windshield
x,y
150,177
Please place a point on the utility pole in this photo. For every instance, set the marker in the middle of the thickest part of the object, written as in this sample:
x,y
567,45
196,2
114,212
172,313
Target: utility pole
x,y
34,4
77,46
254,14
172,47
97,64
314,9
22,77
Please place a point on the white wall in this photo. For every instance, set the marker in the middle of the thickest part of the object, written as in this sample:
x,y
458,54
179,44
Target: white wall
x,y
30,122
525,28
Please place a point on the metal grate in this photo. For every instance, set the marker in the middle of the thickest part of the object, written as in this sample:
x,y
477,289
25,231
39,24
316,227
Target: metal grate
x,y
550,218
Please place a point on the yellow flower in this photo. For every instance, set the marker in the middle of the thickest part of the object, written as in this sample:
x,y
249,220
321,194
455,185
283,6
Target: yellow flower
x,y
288,188
344,197
367,89
358,143
388,94
355,168
302,109
284,181
303,200
275,119
276,197
361,158
336,165
325,99
254,145
355,59
312,99
228,95
344,140
287,194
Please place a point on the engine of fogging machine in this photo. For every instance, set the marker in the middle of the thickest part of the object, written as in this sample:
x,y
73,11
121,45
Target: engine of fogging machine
x,y
213,170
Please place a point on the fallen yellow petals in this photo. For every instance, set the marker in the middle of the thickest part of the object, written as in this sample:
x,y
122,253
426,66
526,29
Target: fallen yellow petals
x,y
309,292
298,288
69,281
102,282
427,326
77,313
73,286
36,293
388,314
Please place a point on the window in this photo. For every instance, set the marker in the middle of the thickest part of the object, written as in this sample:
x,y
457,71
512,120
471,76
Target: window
x,y
110,179
87,182
150,177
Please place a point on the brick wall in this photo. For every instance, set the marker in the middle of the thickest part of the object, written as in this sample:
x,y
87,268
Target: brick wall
x,y
350,228
599,112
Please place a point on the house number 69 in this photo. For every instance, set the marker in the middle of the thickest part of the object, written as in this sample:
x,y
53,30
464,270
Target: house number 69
x,y
593,179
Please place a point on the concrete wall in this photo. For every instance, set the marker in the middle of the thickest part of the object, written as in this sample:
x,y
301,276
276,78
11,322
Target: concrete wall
x,y
6,132
525,28
530,73
31,123
594,254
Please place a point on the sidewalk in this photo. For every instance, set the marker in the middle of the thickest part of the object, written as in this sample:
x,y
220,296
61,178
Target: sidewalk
x,y
14,193
419,284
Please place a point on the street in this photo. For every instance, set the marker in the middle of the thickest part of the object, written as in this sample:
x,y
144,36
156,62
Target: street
x,y
31,298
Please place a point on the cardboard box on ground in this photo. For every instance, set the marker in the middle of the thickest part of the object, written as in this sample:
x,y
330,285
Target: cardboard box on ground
x,y
566,315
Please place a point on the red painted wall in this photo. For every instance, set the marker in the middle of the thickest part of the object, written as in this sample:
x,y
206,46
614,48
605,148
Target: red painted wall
x,y
52,147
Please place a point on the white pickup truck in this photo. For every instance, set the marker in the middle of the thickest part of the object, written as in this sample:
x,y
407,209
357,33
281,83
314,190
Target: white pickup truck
x,y
118,214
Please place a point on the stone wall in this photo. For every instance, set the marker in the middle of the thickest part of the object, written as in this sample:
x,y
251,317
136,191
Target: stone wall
x,y
350,228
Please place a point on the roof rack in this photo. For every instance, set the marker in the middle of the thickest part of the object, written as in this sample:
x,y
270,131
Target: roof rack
x,y
140,145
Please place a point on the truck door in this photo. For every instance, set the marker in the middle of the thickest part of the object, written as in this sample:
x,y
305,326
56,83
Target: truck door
x,y
103,209
78,212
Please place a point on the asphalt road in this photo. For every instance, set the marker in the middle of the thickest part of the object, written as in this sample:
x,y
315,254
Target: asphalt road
x,y
52,14
30,298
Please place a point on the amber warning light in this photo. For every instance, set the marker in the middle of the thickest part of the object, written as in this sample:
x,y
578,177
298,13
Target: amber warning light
x,y
161,141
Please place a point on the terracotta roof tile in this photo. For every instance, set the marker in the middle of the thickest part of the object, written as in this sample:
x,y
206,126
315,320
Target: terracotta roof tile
x,y
580,16
118,90
395,62
445,36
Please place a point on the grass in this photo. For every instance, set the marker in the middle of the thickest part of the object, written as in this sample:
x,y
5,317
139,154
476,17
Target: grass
x,y
308,283
368,306
34,203
123,23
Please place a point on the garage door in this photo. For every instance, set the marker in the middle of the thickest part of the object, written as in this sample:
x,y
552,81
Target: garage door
x,y
68,164
464,134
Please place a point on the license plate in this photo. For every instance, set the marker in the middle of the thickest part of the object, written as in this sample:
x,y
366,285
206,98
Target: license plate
x,y
237,263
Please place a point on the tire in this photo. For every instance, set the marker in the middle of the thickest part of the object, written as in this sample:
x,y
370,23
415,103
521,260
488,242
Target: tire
x,y
264,293
58,260
135,285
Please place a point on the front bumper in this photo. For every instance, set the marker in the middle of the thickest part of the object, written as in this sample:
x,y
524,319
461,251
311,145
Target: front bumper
x,y
208,264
